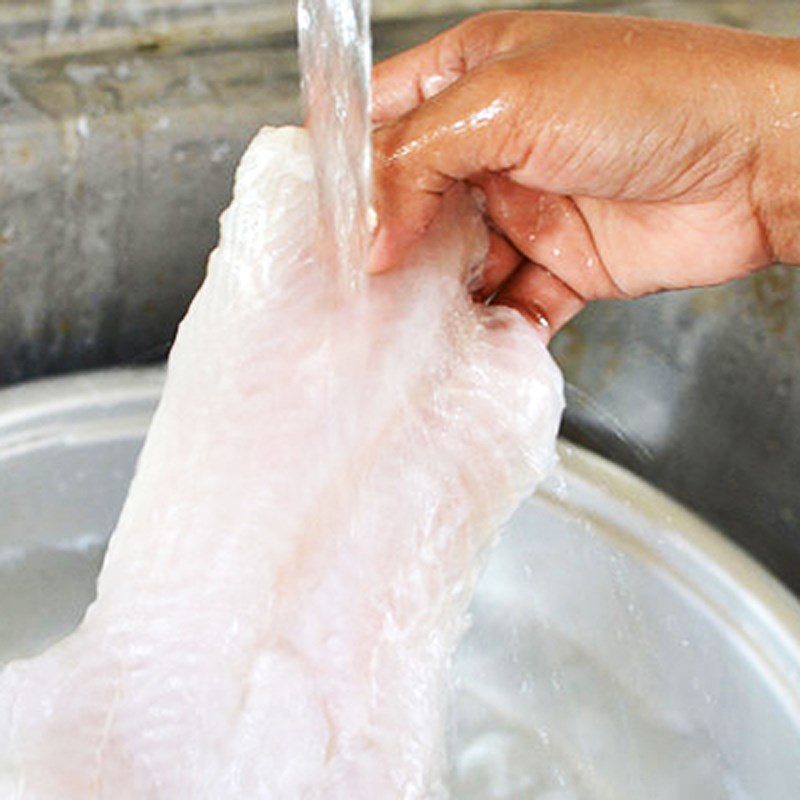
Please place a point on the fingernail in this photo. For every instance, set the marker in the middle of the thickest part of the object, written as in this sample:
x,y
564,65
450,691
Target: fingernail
x,y
533,312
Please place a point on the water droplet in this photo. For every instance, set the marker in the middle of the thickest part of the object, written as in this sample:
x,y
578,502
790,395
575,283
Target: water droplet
x,y
545,737
82,126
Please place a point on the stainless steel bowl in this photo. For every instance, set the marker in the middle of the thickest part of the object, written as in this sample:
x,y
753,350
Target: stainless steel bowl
x,y
620,648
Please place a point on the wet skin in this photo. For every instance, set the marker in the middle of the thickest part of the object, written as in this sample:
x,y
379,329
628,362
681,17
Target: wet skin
x,y
617,156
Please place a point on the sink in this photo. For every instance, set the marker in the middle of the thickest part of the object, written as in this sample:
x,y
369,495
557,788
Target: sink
x,y
119,132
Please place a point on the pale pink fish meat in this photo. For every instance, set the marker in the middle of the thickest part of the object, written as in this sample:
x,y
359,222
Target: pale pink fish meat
x,y
290,573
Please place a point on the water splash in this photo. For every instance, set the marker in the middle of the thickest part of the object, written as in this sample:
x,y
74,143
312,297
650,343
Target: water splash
x,y
336,61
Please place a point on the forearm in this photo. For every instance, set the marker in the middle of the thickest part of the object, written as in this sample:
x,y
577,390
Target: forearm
x,y
777,185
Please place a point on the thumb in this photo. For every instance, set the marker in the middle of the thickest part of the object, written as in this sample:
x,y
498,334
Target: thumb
x,y
458,133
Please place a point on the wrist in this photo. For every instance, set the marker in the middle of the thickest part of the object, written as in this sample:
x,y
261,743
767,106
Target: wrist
x,y
776,186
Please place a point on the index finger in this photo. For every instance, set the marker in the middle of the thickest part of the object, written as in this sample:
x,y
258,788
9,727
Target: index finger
x,y
405,81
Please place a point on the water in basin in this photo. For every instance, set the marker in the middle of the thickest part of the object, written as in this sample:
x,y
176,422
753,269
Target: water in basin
x,y
618,648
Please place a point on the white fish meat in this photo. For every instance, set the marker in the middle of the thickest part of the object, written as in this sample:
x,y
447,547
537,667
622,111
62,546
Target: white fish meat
x,y
291,570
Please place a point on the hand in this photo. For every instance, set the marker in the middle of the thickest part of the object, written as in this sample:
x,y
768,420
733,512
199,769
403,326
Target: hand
x,y
618,156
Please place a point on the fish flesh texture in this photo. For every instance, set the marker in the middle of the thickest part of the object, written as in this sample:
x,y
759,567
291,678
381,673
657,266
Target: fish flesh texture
x,y
291,570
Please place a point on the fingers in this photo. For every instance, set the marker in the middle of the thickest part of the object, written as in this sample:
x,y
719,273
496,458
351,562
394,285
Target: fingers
x,y
549,230
402,219
416,168
452,108
461,131
405,81
502,259
541,297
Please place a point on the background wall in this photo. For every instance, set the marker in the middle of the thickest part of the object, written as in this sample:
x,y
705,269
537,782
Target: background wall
x,y
121,122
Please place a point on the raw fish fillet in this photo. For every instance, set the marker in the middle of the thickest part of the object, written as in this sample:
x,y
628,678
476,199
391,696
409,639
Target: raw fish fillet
x,y
291,570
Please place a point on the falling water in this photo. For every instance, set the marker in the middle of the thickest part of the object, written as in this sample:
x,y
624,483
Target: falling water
x,y
336,60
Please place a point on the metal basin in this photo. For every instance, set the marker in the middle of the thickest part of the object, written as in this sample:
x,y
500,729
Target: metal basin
x,y
620,648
